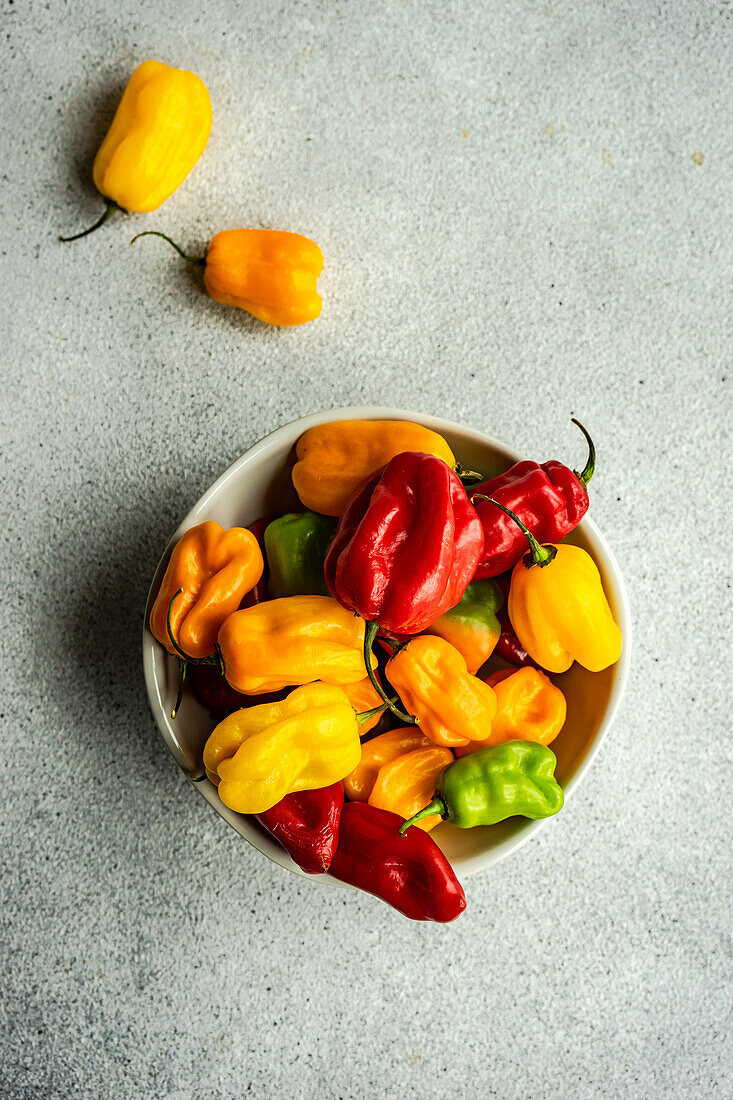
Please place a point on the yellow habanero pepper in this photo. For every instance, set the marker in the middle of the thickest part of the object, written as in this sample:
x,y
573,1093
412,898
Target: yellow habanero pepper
x,y
529,707
333,459
266,272
558,608
294,640
259,755
157,135
431,678
407,785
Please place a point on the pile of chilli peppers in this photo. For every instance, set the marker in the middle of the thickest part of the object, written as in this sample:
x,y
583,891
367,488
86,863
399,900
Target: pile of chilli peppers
x,y
342,652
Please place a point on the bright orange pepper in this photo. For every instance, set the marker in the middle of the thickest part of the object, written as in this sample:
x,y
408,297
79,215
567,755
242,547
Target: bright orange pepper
x,y
334,458
215,569
406,785
380,750
432,680
293,640
269,273
529,707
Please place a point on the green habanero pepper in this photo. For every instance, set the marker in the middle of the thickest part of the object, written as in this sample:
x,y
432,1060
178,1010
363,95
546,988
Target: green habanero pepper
x,y
296,547
472,625
515,778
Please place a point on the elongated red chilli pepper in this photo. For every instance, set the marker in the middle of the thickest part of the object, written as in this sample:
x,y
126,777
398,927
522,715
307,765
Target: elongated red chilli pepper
x,y
306,824
551,499
410,873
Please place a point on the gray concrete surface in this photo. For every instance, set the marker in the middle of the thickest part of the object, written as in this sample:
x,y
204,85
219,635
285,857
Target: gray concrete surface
x,y
525,212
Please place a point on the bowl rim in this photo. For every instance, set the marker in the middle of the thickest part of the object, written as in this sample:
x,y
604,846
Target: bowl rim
x,y
287,432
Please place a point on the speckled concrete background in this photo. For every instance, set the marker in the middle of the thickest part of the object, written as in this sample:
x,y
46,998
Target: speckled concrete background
x,y
525,212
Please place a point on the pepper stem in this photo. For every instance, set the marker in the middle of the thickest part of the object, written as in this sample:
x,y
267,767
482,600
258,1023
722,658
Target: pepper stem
x,y
587,472
110,209
365,715
370,634
540,555
182,666
468,477
183,658
200,260
437,806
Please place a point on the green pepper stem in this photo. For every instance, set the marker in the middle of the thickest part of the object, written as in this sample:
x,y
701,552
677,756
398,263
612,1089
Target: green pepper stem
x,y
109,211
200,260
468,477
437,806
370,633
365,715
182,666
540,555
184,660
587,472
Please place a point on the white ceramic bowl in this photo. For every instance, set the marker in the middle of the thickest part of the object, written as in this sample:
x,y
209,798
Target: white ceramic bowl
x,y
258,484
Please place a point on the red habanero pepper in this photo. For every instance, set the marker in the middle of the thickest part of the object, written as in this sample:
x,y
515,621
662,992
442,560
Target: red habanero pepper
x,y
406,546
405,550
258,594
416,879
551,499
306,824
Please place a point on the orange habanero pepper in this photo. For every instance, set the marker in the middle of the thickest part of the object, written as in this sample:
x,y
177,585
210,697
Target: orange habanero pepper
x,y
377,752
269,273
529,707
209,573
431,677
406,785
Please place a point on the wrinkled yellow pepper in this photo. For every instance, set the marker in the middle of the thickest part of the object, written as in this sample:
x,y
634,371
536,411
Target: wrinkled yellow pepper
x,y
158,133
293,640
558,608
260,754
560,613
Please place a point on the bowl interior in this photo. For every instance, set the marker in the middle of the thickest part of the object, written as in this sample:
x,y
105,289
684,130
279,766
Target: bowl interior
x,y
259,484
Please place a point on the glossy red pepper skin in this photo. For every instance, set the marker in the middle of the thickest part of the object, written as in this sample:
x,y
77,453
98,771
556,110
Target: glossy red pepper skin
x,y
211,689
406,546
509,647
549,498
416,879
306,824
258,594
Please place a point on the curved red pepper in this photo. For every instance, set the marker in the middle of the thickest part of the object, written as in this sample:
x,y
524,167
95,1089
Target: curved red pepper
x,y
551,499
406,546
415,879
306,824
